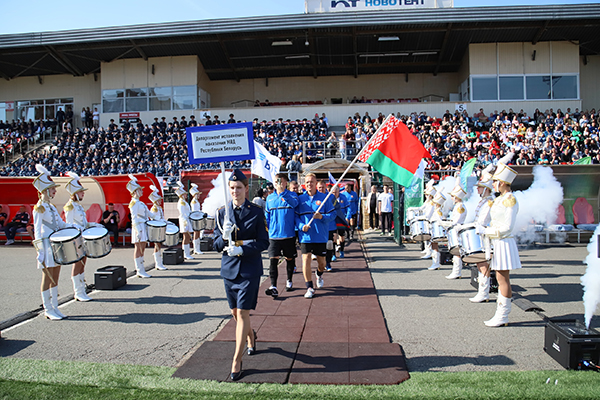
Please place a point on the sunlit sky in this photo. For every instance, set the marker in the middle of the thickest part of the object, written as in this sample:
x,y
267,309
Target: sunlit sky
x,y
44,15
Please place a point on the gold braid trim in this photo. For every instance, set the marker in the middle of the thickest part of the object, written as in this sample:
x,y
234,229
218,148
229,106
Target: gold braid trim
x,y
154,208
132,203
68,206
509,201
39,208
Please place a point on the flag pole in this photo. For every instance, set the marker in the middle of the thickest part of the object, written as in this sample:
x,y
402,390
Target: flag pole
x,y
227,216
350,166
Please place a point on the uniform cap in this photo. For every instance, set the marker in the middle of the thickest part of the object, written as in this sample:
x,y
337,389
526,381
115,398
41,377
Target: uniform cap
x,y
180,190
458,192
237,175
44,180
194,190
504,174
73,186
133,184
439,198
155,195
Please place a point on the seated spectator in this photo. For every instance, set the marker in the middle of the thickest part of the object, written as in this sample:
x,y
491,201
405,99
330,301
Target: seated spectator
x,y
20,220
111,220
3,216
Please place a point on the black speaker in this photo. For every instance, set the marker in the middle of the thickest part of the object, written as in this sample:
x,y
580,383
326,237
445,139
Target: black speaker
x,y
110,277
173,256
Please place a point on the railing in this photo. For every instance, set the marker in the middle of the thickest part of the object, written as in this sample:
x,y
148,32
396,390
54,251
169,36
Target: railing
x,y
323,149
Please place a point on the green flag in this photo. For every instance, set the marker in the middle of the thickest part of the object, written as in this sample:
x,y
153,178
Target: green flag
x,y
583,161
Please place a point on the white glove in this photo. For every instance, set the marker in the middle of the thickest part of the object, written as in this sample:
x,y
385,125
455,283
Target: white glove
x,y
40,258
227,229
479,229
233,251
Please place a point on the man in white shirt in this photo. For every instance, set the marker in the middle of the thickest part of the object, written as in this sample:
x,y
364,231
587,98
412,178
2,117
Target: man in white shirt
x,y
385,205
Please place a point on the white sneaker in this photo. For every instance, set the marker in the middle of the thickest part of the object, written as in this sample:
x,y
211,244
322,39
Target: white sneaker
x,y
320,282
314,257
310,292
9,242
289,285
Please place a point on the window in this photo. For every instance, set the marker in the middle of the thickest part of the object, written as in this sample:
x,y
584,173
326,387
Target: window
x,y
564,87
184,97
112,100
511,88
538,87
160,98
484,88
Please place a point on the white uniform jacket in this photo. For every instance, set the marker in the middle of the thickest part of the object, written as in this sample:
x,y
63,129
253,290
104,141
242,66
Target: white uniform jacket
x,y
185,225
139,216
156,213
503,216
46,221
75,215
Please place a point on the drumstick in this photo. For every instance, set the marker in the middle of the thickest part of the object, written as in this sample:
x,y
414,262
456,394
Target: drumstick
x,y
48,274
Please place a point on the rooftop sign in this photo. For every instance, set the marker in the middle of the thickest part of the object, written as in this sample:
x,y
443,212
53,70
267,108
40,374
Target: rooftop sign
x,y
321,6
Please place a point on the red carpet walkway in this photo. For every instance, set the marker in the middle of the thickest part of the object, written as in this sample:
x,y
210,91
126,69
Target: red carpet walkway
x,y
338,337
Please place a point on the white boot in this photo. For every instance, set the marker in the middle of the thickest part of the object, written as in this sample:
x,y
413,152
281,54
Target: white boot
x,y
456,268
427,251
139,267
483,294
158,261
502,310
197,247
48,309
186,252
54,301
435,258
79,288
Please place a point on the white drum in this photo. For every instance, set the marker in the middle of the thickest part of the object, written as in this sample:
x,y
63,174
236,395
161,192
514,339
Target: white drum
x,y
197,218
412,213
172,235
473,248
420,229
209,223
438,232
67,246
453,242
96,242
157,231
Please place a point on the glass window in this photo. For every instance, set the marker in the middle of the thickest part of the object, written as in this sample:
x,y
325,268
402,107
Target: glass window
x,y
112,93
160,91
112,105
50,112
184,102
485,88
160,103
52,101
538,87
137,104
67,101
511,88
564,87
22,103
139,92
184,90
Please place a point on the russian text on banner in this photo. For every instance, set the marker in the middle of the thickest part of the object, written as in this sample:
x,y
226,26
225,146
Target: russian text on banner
x,y
395,152
218,143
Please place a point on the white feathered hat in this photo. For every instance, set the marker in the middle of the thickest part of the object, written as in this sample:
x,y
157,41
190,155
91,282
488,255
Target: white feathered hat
x,y
429,189
458,192
504,174
486,178
180,190
155,195
74,186
439,198
44,180
133,184
194,190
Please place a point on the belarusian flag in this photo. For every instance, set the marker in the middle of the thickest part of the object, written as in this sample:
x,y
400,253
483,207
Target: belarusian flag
x,y
395,152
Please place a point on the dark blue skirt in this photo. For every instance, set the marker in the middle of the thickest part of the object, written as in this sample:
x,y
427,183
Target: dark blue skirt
x,y
242,293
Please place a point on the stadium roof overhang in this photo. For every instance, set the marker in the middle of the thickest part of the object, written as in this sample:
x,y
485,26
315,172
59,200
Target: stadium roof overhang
x,y
348,43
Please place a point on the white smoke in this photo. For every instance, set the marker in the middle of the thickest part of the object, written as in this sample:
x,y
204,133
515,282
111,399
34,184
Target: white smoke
x,y
445,186
538,204
471,204
591,280
216,195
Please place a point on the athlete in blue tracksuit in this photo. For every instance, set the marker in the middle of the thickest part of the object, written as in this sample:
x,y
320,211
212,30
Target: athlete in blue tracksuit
x,y
280,212
353,208
313,237
342,218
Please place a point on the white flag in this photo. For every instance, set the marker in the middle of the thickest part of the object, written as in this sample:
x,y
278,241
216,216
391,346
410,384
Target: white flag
x,y
265,164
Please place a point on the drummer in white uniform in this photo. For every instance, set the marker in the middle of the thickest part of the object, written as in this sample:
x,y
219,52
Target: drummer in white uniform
x,y
196,206
457,218
139,230
157,214
503,214
46,221
75,215
427,210
482,217
437,215
185,225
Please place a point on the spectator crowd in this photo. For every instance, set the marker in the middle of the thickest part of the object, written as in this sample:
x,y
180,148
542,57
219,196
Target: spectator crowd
x,y
550,137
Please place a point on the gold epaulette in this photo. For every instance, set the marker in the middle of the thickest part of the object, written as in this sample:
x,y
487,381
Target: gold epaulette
x,y
490,202
461,209
181,202
68,206
193,201
154,208
39,208
439,213
509,201
132,203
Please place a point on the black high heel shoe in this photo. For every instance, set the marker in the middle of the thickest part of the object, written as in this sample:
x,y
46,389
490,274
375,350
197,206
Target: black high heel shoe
x,y
236,375
252,349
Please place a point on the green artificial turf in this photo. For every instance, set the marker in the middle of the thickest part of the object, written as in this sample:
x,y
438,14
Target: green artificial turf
x,y
41,379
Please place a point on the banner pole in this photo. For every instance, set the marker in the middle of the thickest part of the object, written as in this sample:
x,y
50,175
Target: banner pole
x,y
227,216
350,166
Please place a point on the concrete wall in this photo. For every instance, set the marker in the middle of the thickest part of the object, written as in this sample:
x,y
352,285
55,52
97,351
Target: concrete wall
x,y
590,82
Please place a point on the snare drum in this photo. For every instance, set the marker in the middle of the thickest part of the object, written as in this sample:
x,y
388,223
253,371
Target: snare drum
x,y
420,229
172,235
157,231
96,242
209,223
473,248
453,242
438,232
197,218
67,246
412,213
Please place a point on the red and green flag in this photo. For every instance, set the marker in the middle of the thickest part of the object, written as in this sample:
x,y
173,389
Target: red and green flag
x,y
395,152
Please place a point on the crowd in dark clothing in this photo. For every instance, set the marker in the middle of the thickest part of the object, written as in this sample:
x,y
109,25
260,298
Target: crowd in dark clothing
x,y
14,134
160,148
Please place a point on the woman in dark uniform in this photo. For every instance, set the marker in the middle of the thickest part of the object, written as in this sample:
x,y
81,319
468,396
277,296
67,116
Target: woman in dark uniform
x,y
241,235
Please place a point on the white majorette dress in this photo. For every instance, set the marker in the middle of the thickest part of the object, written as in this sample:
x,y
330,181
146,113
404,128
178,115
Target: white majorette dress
x,y
139,214
438,200
185,225
503,216
427,210
457,218
157,214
